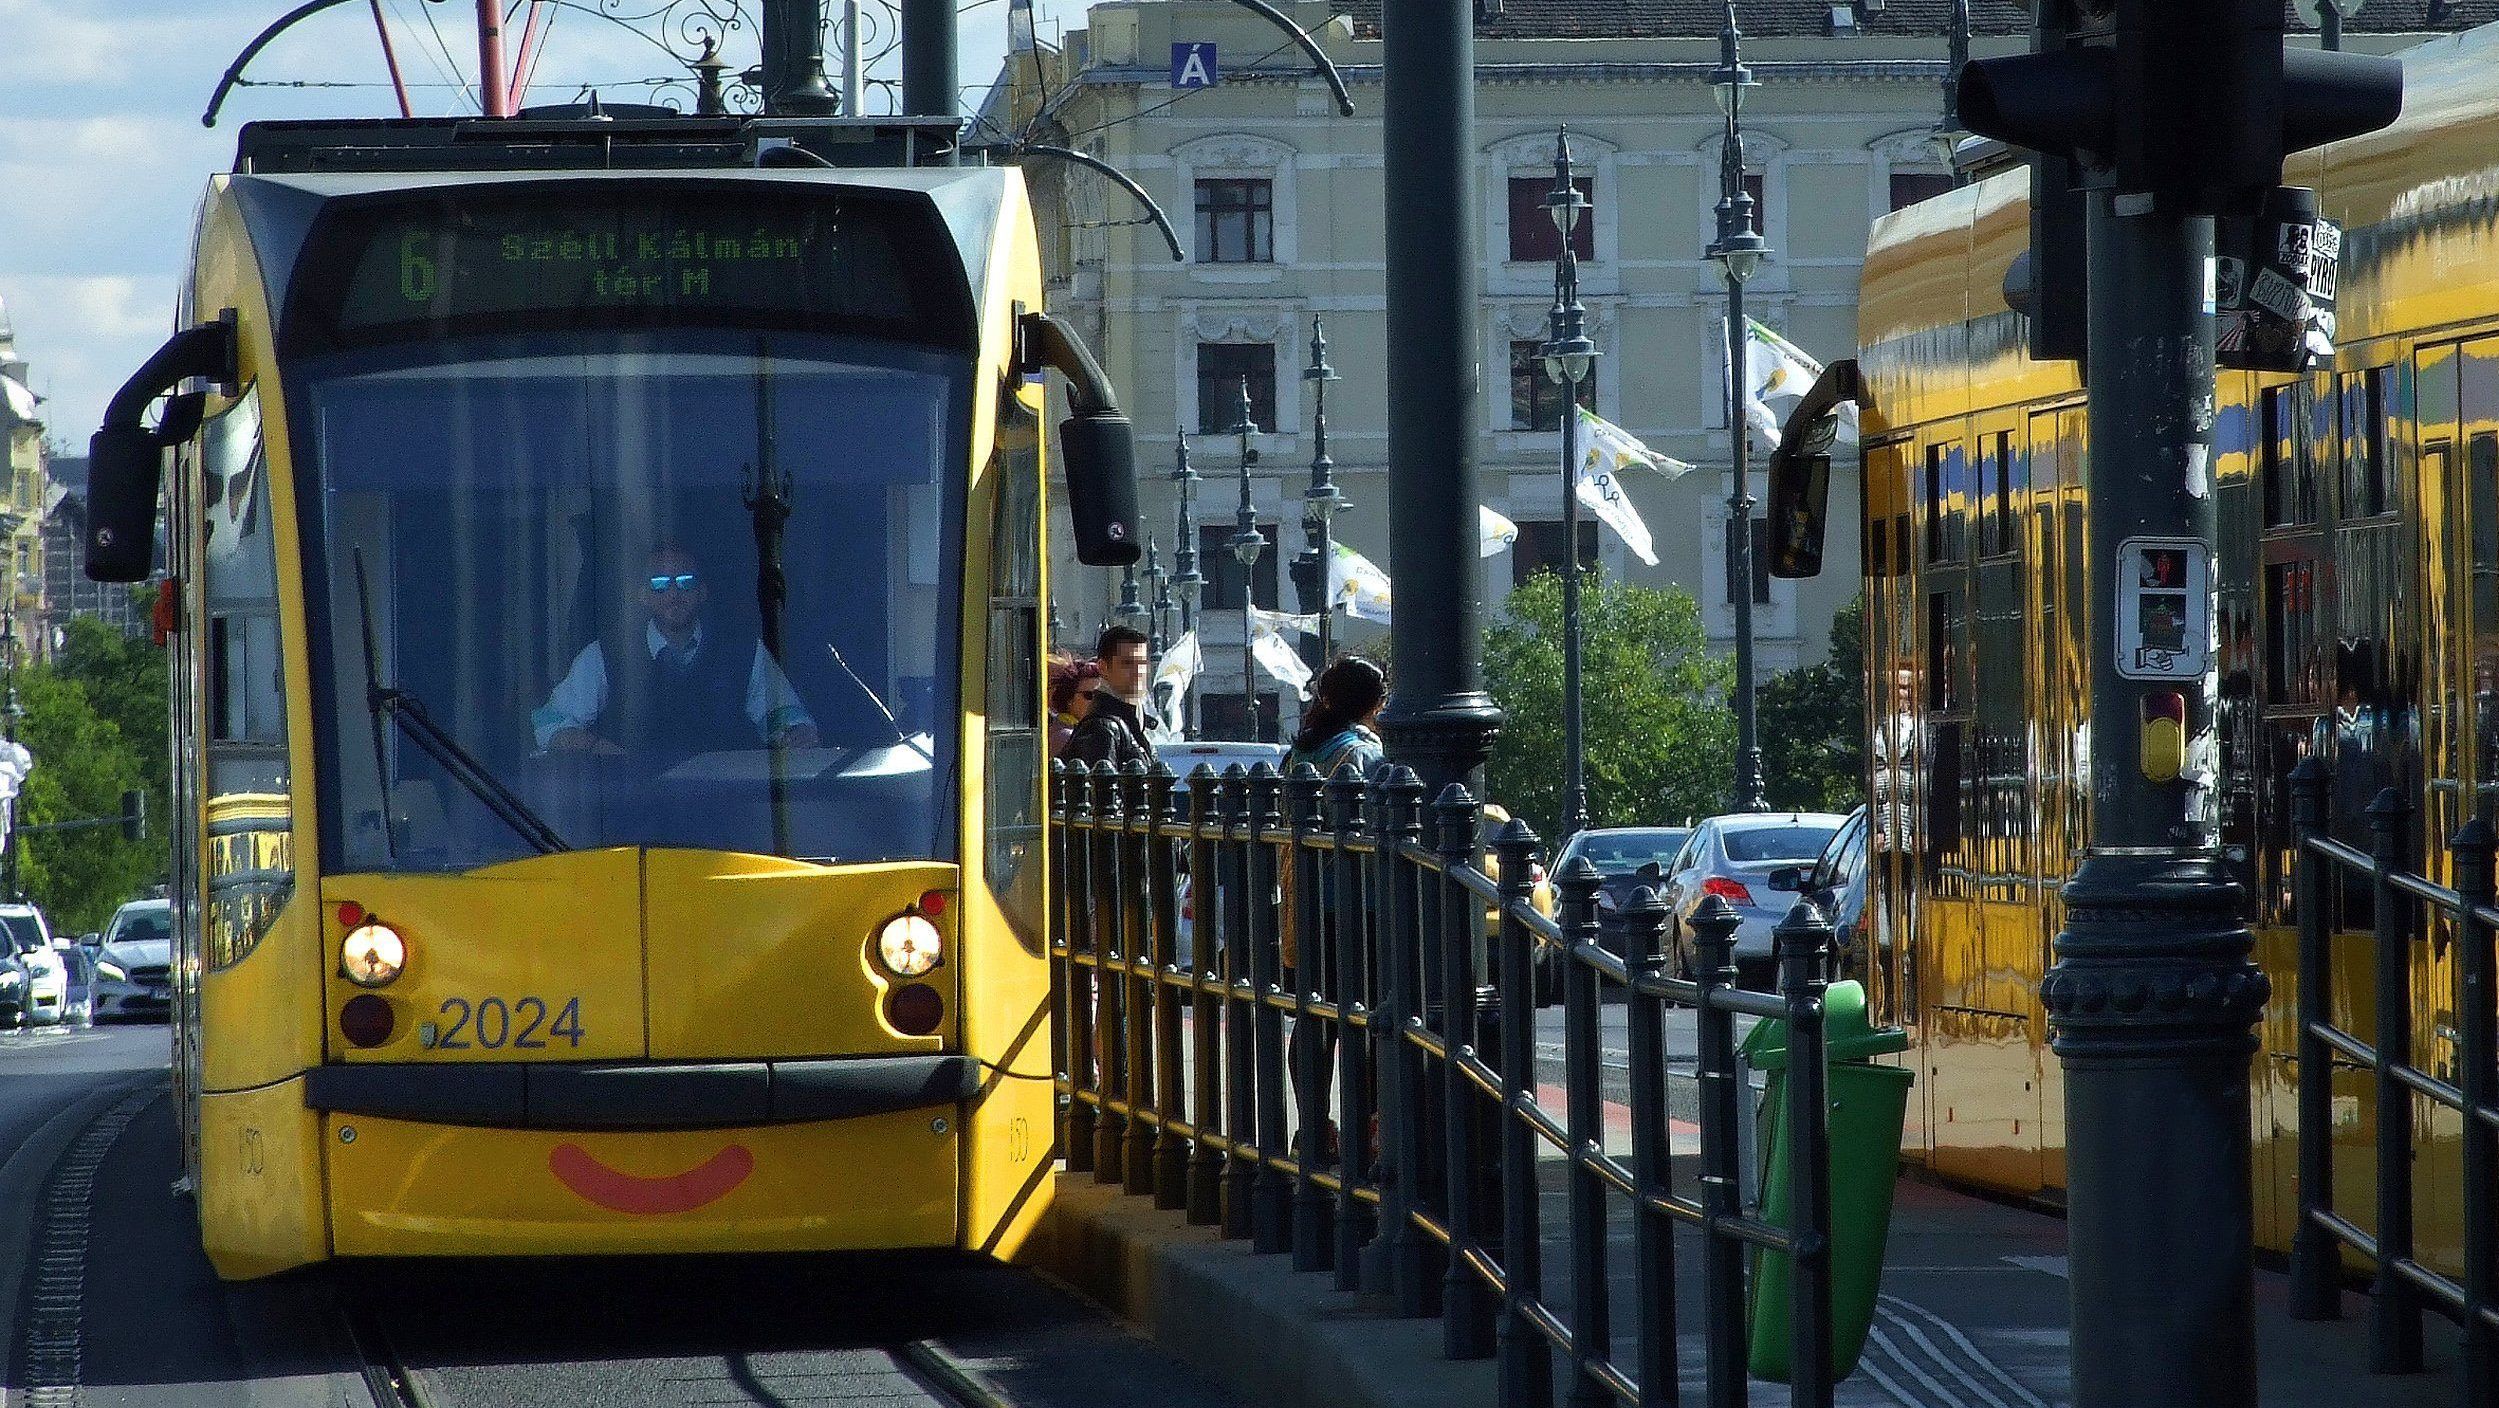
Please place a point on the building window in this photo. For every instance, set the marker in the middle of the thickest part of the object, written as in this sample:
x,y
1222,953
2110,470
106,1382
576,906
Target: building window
x,y
1761,565
1236,221
1223,571
1539,549
1221,369
1533,240
1535,398
1910,187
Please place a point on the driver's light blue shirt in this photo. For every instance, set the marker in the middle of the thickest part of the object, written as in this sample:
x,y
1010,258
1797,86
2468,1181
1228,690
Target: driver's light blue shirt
x,y
581,696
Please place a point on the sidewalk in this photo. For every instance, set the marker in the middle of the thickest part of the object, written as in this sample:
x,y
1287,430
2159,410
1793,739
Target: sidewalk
x,y
1973,1314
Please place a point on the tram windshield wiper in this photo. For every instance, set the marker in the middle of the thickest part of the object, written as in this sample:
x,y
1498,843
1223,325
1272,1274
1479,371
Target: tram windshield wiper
x,y
408,712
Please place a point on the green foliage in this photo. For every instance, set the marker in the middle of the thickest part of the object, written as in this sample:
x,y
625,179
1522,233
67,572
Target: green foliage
x,y
1659,735
96,724
1813,724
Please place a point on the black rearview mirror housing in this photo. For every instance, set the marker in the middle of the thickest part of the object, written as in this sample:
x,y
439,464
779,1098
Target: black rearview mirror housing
x,y
1097,446
126,456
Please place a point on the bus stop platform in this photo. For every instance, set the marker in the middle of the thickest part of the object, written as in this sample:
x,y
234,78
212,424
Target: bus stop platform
x,y
1973,1313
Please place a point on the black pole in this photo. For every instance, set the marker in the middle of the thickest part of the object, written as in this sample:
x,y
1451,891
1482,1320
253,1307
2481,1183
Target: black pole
x,y
793,45
1186,582
1320,504
1566,358
1247,544
1439,722
1739,250
2153,999
928,68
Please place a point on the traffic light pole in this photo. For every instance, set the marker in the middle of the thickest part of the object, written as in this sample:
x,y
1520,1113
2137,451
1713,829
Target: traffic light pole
x,y
2153,1000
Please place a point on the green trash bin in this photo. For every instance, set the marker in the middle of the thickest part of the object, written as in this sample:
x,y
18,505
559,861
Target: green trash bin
x,y
1868,1105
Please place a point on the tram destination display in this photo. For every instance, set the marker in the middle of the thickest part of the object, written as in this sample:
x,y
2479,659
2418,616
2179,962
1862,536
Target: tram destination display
x,y
505,257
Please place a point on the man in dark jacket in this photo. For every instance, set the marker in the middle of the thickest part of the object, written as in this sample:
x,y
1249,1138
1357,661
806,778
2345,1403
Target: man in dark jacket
x,y
1119,730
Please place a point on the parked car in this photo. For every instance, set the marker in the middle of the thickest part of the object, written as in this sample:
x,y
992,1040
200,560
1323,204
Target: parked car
x,y
44,983
1741,858
1626,857
1837,881
134,965
1184,756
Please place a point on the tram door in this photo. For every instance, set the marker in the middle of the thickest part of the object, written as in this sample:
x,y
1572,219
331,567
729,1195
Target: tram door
x,y
2060,693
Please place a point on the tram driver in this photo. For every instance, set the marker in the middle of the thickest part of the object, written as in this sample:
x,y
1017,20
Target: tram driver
x,y
683,687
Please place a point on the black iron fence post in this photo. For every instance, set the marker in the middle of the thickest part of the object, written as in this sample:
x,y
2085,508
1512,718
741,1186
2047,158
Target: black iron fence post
x,y
2394,1306
1405,1178
1240,1123
1803,945
1308,1049
1206,1160
1271,1194
1136,952
2316,1290
1355,1150
1526,1356
1466,1303
1592,1305
1109,895
1082,942
1171,1149
1722,1195
1652,1137
2477,1051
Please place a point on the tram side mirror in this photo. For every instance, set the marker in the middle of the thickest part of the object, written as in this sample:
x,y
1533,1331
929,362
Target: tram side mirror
x,y
1800,511
1098,452
126,456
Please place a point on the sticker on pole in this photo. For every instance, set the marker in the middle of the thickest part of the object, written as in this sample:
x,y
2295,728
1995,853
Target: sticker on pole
x,y
2164,608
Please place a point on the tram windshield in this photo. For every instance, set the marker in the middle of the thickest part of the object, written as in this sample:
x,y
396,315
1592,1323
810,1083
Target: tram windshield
x,y
677,589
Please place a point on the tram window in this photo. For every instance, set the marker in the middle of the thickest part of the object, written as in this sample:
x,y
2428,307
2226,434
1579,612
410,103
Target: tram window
x,y
2002,479
2291,637
2362,408
1013,820
1900,545
2481,466
1934,503
1943,651
2289,498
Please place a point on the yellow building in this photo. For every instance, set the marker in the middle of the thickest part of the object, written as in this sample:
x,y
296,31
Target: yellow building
x,y
21,512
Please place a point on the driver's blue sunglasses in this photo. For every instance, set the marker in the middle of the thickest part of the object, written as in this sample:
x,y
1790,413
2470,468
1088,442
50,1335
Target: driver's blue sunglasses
x,y
682,581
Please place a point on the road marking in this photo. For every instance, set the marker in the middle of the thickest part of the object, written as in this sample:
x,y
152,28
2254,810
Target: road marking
x,y
1893,1307
54,1361
2044,1265
1907,1363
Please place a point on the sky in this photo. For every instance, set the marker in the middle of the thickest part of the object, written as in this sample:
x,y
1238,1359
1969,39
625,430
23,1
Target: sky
x,y
103,158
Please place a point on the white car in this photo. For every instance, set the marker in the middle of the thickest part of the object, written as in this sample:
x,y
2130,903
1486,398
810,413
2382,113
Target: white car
x,y
134,964
46,999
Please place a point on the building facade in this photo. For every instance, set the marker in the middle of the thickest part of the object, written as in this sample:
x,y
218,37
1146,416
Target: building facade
x,y
1278,203
22,503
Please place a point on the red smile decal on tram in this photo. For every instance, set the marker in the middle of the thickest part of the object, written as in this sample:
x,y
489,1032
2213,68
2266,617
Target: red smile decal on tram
x,y
706,1182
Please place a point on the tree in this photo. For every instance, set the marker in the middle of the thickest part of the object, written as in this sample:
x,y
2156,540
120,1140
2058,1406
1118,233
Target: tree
x,y
1658,733
96,724
1813,724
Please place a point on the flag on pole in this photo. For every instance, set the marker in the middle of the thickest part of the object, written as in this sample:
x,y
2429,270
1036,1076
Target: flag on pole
x,y
1173,675
1602,494
1357,586
1616,449
1777,374
1275,654
1281,621
1498,533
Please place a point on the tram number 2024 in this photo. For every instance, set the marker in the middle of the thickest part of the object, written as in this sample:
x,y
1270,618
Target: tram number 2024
x,y
492,1024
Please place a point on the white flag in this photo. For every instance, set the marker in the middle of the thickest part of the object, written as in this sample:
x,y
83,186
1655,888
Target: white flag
x,y
1777,374
1173,675
1602,494
1275,654
1617,449
1280,621
1497,535
1357,586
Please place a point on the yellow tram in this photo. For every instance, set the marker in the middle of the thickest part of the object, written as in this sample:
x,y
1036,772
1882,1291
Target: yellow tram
x,y
2359,622
607,562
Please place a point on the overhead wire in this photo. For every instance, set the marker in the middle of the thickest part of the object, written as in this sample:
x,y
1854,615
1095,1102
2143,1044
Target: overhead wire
x,y
445,45
452,77
1188,93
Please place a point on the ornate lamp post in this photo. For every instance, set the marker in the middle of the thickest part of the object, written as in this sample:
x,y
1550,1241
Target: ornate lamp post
x,y
1321,502
1247,544
1186,583
1158,599
1739,250
1130,611
1568,354
1948,133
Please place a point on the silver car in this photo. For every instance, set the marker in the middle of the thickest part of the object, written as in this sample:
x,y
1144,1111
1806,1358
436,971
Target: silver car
x,y
1737,858
134,966
42,996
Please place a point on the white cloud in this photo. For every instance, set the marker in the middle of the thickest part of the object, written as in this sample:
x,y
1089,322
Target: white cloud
x,y
82,335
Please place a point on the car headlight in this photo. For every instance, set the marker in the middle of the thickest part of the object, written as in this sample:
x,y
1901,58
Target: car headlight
x,y
372,954
909,945
112,970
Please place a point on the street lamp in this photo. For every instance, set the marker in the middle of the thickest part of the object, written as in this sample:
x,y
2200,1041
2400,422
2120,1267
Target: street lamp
x,y
1948,133
1739,250
1186,583
1321,502
1129,611
1247,544
1158,599
1567,356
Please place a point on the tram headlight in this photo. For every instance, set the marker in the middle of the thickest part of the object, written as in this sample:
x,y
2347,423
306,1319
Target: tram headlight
x,y
372,955
909,945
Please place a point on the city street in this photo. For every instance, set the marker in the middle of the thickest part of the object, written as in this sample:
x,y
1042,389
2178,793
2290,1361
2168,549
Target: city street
x,y
105,1298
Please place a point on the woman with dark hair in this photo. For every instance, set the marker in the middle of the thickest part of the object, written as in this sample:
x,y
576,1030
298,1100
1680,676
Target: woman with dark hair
x,y
1336,728
1071,697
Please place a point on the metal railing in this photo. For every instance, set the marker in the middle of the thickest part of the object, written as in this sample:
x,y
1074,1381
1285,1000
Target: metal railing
x,y
1281,1008
2403,1285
